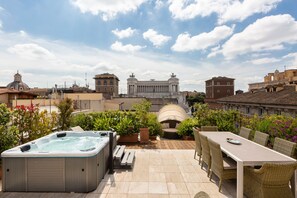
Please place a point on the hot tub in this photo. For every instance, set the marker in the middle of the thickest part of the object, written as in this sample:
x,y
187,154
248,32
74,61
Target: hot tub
x,y
59,162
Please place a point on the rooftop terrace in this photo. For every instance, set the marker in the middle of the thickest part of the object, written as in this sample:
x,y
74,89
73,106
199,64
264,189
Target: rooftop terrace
x,y
164,168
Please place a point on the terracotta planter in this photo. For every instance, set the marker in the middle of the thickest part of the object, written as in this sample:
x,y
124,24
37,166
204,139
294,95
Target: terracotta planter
x,y
153,137
133,138
185,137
144,135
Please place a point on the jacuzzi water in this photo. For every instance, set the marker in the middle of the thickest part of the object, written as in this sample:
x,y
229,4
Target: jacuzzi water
x,y
66,144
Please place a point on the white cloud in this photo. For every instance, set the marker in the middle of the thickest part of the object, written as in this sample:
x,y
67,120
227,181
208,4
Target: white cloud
x,y
262,61
74,60
107,9
124,33
268,33
185,42
23,33
31,51
118,46
157,39
291,55
292,64
159,4
183,10
227,10
238,11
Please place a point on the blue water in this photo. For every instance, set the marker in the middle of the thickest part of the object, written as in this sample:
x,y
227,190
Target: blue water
x,y
69,144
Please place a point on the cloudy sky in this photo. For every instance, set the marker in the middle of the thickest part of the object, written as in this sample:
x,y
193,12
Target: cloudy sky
x,y
65,41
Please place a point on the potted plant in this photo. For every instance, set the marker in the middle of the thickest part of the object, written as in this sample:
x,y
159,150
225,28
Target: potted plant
x,y
154,126
185,128
127,130
141,111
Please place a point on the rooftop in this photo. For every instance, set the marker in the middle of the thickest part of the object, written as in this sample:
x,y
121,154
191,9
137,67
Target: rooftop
x,y
286,96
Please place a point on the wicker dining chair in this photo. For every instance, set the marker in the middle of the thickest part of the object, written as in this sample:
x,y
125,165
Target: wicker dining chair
x,y
209,128
224,168
284,146
261,138
271,180
205,153
198,149
245,132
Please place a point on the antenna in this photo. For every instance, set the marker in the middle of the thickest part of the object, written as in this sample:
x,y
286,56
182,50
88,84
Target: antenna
x,y
86,79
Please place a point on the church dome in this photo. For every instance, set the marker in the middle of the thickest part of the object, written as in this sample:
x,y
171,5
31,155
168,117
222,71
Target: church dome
x,y
18,84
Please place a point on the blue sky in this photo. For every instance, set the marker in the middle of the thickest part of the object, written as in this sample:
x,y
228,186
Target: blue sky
x,y
56,41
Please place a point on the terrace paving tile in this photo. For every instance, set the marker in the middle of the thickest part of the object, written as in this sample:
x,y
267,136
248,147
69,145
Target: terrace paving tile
x,y
158,188
157,177
119,188
138,188
177,188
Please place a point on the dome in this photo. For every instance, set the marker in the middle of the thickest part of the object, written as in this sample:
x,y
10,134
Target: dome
x,y
172,112
18,84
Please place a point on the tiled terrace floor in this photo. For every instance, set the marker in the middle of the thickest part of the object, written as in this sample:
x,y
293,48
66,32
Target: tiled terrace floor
x,y
156,173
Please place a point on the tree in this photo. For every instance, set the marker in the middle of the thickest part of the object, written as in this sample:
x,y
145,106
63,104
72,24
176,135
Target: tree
x,y
197,98
66,109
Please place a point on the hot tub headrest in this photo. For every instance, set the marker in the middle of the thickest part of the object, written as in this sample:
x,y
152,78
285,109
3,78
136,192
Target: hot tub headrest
x,y
25,148
102,134
61,135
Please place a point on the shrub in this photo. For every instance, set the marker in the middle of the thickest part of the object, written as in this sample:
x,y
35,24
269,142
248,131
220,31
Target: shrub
x,y
85,121
4,115
185,128
126,126
31,123
141,111
103,123
154,126
224,120
8,137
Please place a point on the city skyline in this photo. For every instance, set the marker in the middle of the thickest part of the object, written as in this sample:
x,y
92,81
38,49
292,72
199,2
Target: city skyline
x,y
52,42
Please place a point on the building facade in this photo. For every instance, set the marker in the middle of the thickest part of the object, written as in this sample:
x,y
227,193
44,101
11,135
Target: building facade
x,y
218,87
153,88
107,84
283,101
276,79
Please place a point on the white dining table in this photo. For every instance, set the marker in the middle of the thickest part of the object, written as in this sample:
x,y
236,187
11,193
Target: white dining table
x,y
248,153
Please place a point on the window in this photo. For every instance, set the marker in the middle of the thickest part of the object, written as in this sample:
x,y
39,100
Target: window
x,y
228,90
99,82
247,110
105,82
260,111
228,83
218,91
111,82
218,83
